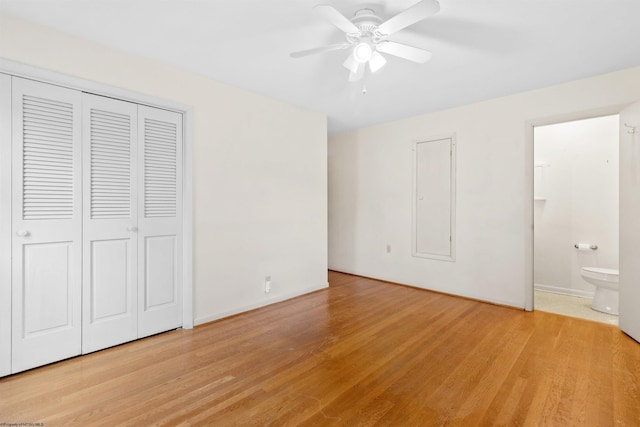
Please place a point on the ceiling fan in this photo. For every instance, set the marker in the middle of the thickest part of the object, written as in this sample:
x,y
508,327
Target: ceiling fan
x,y
367,37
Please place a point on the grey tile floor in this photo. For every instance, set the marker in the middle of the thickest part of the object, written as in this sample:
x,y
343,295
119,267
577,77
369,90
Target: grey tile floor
x,y
570,306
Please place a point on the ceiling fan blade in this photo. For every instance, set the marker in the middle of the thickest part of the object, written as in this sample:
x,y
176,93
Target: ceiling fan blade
x,y
376,62
405,51
419,11
321,49
336,18
357,75
351,64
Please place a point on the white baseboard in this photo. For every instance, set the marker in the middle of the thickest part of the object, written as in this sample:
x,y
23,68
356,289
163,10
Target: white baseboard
x,y
564,291
480,298
262,303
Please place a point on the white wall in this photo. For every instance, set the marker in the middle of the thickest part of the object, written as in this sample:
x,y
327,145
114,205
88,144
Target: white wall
x,y
579,189
370,189
259,172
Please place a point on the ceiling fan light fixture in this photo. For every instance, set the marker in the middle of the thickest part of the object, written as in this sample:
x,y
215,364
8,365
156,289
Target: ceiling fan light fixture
x,y
362,52
351,64
376,62
354,76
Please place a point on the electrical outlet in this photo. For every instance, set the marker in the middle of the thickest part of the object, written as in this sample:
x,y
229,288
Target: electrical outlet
x,y
267,284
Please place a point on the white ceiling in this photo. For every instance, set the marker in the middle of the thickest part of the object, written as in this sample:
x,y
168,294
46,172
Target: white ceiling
x,y
482,49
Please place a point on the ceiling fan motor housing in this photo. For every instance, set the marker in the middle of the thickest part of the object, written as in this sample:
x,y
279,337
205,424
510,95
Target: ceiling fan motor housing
x,y
367,22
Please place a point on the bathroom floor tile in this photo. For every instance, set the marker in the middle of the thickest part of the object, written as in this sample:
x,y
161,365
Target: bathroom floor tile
x,y
570,306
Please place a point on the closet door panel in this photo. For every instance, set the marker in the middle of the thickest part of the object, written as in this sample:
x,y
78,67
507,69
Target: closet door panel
x,y
110,223
109,265
46,287
46,224
160,204
160,274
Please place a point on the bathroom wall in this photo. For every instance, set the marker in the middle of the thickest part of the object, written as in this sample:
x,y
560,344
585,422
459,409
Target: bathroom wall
x,y
576,201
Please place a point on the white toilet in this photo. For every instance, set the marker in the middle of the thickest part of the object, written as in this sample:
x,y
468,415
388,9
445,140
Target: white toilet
x,y
606,282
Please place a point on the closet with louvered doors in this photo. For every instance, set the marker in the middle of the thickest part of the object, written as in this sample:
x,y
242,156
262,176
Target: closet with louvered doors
x,y
96,222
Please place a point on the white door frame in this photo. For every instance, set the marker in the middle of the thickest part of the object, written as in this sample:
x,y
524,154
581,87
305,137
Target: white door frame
x,y
35,73
528,176
5,227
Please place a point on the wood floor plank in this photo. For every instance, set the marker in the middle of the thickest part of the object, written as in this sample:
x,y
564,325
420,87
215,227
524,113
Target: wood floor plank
x,y
361,353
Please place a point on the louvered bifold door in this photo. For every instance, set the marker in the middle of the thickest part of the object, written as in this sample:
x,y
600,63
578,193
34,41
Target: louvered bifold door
x,y
110,222
160,207
46,224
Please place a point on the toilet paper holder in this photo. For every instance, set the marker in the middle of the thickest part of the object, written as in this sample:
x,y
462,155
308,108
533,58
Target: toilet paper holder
x,y
584,246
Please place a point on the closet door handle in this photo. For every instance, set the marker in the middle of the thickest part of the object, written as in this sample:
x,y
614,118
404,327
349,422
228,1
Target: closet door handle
x,y
132,228
23,233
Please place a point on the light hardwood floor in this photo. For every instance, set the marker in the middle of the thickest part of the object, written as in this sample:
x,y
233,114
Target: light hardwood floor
x,y
362,352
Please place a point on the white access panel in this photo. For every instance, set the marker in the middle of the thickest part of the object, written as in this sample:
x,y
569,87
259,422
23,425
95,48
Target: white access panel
x,y
46,224
109,222
159,220
433,216
5,224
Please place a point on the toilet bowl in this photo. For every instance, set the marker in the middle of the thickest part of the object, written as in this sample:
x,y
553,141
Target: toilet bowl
x,y
605,280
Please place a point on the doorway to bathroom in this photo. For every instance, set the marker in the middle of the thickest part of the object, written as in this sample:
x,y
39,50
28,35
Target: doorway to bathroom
x,y
575,216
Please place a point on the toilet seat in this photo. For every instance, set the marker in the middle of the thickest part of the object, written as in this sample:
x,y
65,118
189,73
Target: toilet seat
x,y
606,275
599,270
